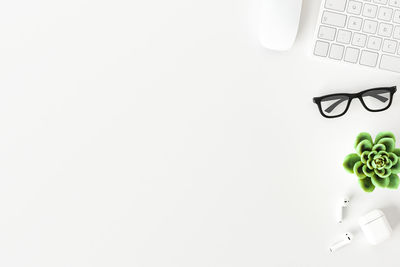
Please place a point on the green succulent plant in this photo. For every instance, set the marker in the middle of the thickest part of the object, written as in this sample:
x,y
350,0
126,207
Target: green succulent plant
x,y
376,164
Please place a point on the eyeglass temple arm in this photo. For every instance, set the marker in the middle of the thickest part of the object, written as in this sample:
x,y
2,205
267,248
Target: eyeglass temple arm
x,y
377,96
373,94
334,105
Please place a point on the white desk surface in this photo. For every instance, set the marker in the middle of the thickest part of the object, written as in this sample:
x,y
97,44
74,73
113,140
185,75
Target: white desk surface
x,y
160,133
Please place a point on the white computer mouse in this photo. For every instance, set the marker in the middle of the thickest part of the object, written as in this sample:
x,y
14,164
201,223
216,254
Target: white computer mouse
x,y
279,22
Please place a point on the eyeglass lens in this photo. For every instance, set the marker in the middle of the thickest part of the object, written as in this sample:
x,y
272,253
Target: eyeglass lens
x,y
377,99
333,106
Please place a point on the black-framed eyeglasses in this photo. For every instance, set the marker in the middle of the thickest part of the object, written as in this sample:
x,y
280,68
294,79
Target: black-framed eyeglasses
x,y
374,100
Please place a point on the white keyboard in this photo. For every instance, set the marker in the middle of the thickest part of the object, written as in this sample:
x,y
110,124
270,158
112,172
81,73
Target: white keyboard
x,y
365,32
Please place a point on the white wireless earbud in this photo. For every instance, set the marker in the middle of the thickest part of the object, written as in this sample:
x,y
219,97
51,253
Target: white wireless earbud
x,y
345,240
344,202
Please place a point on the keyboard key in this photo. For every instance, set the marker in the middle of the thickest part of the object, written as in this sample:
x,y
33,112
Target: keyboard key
x,y
326,33
351,54
385,13
359,39
321,49
389,46
338,5
336,52
374,43
368,58
355,23
390,63
370,10
343,37
396,17
382,2
334,19
385,29
354,7
370,26
396,32
394,3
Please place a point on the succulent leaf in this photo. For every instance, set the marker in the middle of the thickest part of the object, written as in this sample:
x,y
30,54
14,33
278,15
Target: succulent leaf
x,y
372,154
358,170
363,146
380,182
383,173
366,185
367,171
369,164
364,157
350,161
381,154
388,142
393,158
396,168
361,137
394,181
379,147
389,165
397,152
379,172
382,135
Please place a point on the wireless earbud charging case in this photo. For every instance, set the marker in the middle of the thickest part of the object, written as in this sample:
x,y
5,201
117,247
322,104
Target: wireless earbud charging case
x,y
375,226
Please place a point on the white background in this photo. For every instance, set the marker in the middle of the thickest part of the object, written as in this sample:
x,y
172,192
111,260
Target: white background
x,y
160,133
